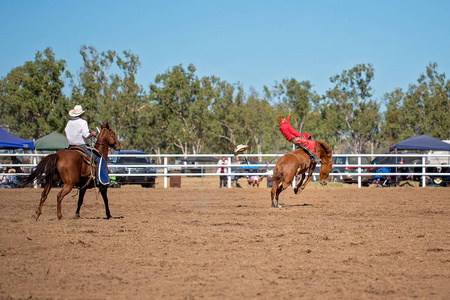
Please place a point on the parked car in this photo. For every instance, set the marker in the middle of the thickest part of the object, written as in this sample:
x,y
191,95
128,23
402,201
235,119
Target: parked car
x,y
190,164
131,159
347,165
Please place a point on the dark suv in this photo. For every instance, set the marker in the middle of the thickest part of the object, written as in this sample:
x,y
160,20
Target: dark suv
x,y
347,165
138,165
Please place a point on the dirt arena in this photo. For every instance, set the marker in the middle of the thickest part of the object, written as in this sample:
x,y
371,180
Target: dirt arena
x,y
202,242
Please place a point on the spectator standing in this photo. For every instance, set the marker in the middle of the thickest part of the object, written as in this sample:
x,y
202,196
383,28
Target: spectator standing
x,y
222,170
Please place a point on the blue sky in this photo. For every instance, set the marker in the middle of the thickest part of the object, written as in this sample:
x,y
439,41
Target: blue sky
x,y
254,43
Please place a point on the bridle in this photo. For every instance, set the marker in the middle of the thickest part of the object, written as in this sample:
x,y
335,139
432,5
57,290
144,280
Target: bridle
x,y
111,136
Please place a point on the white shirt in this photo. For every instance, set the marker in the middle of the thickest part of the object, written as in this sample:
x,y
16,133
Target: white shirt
x,y
77,131
221,169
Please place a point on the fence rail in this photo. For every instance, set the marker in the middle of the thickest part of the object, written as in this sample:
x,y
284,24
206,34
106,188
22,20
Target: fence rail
x,y
422,169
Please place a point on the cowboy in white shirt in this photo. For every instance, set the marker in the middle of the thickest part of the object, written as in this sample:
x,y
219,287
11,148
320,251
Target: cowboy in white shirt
x,y
77,130
77,133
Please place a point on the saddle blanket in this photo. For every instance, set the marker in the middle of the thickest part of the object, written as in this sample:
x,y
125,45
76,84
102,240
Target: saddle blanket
x,y
103,177
308,144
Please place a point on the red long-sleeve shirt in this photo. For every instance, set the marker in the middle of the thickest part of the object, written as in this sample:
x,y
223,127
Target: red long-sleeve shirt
x,y
289,132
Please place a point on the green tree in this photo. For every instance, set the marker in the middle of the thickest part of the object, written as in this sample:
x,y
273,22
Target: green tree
x,y
259,122
109,93
294,96
31,100
423,109
94,90
228,117
358,115
183,101
300,100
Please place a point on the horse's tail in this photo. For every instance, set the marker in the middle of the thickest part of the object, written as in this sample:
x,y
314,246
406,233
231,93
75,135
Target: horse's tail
x,y
45,171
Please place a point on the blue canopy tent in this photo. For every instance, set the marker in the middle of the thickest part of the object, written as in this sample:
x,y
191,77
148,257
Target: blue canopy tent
x,y
10,141
423,142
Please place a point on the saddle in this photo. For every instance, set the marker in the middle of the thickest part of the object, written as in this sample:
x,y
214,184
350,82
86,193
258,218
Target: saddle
x,y
86,158
97,164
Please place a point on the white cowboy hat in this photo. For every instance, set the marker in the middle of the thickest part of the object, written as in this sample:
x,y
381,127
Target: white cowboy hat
x,y
437,180
76,111
240,149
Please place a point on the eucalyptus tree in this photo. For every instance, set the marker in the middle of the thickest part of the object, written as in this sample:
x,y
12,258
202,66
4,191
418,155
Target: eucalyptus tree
x,y
32,103
423,109
183,102
395,125
321,125
94,91
109,93
358,115
126,108
228,117
296,97
260,123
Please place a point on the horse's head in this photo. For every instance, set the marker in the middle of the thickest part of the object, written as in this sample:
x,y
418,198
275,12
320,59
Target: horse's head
x,y
324,171
325,153
108,137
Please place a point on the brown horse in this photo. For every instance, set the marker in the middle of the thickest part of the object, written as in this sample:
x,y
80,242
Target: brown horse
x,y
70,167
298,162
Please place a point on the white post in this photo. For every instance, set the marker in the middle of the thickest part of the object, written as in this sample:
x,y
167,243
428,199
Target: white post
x,y
229,172
424,170
165,172
359,171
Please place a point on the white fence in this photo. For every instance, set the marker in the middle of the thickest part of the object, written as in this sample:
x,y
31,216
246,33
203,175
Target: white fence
x,y
235,168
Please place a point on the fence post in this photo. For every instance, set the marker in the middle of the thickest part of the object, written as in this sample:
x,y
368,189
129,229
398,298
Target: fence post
x,y
359,171
229,172
424,170
165,172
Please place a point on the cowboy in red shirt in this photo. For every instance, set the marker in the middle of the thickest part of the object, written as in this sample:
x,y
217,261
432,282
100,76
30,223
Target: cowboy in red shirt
x,y
299,139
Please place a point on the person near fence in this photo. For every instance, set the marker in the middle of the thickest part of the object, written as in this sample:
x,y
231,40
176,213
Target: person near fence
x,y
16,161
4,181
301,140
254,180
221,170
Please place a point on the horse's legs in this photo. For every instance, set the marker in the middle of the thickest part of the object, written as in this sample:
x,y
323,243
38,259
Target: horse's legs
x,y
273,191
281,187
104,193
299,184
44,195
311,171
64,191
277,188
80,202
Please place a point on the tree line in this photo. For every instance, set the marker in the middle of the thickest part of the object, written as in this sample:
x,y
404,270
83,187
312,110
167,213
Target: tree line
x,y
181,112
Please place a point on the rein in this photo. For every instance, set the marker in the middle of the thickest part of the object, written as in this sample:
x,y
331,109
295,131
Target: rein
x,y
299,163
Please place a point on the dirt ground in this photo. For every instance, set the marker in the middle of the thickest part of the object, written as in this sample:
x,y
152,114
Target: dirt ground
x,y
202,242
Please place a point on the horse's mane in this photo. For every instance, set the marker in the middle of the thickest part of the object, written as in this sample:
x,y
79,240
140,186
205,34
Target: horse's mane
x,y
326,148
